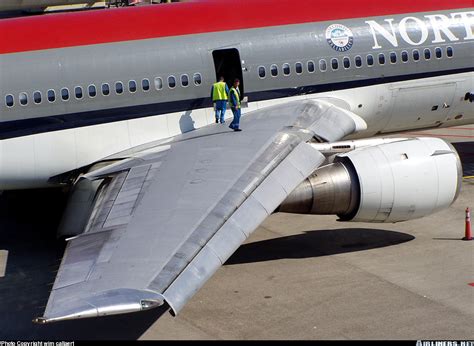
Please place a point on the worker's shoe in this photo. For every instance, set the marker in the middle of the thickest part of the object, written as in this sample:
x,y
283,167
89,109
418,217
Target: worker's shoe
x,y
217,121
237,130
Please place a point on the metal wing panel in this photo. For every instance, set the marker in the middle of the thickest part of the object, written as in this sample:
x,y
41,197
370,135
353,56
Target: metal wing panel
x,y
79,259
172,214
222,208
260,204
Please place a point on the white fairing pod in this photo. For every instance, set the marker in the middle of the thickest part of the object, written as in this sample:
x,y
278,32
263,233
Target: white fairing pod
x,y
405,180
390,182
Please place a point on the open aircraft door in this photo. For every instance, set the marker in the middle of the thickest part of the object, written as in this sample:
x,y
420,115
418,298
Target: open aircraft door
x,y
227,63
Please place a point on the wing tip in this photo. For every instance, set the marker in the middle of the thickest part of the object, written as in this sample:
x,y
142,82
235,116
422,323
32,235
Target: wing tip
x,y
112,302
40,320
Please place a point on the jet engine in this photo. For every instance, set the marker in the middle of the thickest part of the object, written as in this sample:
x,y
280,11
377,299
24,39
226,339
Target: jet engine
x,y
392,182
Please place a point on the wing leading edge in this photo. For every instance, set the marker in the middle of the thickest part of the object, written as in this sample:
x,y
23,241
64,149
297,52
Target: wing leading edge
x,y
165,218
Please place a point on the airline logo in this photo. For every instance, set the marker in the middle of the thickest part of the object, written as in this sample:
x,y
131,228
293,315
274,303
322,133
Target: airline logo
x,y
340,37
436,28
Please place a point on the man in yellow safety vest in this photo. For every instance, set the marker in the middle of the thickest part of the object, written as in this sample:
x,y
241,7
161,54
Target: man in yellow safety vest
x,y
220,95
235,105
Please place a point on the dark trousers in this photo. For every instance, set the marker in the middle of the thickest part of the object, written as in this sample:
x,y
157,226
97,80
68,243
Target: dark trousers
x,y
220,110
236,122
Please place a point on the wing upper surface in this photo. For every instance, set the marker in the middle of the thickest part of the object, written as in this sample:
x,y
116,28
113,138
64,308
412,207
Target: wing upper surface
x,y
168,216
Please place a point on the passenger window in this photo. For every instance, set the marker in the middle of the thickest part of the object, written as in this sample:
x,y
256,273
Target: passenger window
x,y
439,53
92,90
311,67
449,52
261,72
23,99
119,88
171,82
132,86
286,69
335,64
274,70
358,61
51,95
299,68
158,83
78,92
105,89
382,59
405,56
197,79
370,60
184,80
65,94
9,100
145,84
347,63
416,55
37,97
393,57
427,54
323,66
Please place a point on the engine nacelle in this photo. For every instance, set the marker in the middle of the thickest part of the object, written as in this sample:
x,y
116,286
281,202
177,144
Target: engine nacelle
x,y
391,182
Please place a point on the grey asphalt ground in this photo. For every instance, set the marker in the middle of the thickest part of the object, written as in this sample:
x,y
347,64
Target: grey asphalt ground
x,y
297,277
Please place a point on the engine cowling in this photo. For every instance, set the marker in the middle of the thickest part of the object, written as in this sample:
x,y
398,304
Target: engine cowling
x,y
391,182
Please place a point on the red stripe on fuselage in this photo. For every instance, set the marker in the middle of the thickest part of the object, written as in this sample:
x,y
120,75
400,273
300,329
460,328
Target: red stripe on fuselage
x,y
107,26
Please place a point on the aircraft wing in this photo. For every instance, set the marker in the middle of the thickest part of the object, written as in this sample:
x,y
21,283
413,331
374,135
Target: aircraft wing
x,y
164,218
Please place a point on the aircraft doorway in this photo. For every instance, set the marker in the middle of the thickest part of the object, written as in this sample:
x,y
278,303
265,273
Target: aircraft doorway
x,y
228,64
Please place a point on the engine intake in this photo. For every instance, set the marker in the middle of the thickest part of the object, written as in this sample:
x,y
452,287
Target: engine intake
x,y
391,182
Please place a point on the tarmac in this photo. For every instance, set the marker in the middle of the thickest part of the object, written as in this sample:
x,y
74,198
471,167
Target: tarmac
x,y
297,277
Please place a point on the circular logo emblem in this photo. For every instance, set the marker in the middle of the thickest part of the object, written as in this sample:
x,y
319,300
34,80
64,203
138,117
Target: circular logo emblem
x,y
340,37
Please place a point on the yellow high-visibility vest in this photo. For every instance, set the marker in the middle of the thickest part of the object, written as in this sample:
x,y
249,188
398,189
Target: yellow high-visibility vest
x,y
237,96
218,92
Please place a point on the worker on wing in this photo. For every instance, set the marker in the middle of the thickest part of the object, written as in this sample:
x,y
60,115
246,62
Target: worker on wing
x,y
220,95
235,105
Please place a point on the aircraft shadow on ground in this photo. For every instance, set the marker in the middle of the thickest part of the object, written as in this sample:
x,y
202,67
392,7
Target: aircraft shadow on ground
x,y
466,154
316,244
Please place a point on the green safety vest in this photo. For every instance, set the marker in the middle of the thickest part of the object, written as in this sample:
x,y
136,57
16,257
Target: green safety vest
x,y
237,96
218,92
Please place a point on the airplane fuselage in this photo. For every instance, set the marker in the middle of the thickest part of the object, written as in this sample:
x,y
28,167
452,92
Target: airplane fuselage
x,y
75,98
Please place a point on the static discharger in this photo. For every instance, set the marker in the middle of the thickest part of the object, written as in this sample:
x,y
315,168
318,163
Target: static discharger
x,y
468,235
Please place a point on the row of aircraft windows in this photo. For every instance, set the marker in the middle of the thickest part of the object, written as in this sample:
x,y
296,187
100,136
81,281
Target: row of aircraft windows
x,y
358,61
105,90
197,79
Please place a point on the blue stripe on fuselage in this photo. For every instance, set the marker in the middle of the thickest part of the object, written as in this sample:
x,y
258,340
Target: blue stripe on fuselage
x,y
25,127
